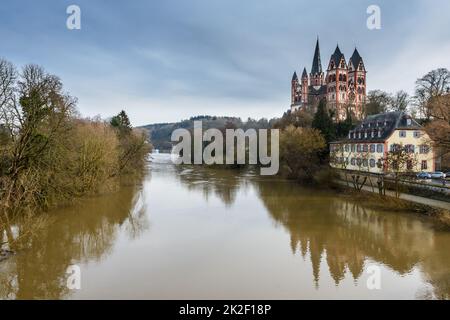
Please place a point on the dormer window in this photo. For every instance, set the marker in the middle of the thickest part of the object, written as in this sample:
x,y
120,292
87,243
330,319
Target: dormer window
x,y
359,135
349,135
379,133
372,134
408,122
365,134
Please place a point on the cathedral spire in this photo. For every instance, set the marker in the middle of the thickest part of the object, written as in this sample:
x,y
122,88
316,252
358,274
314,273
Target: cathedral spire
x,y
304,74
317,65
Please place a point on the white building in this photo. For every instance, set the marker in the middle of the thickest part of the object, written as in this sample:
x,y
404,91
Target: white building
x,y
370,142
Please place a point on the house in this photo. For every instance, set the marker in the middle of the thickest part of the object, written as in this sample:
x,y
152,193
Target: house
x,y
369,143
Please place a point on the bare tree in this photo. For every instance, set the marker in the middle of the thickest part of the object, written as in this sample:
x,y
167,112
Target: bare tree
x,y
400,101
398,161
434,84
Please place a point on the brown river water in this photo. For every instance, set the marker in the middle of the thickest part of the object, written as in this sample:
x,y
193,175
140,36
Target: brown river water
x,y
198,233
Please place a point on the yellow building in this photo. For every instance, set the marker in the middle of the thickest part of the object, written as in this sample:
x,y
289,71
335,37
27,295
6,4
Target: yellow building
x,y
367,146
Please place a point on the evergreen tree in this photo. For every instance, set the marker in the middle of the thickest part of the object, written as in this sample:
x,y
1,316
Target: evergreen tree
x,y
121,122
323,121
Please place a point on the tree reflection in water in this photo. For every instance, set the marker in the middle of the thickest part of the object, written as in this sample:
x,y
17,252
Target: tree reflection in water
x,y
338,231
39,270
325,229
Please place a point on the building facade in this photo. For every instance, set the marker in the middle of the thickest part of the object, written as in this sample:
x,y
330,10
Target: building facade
x,y
343,85
369,143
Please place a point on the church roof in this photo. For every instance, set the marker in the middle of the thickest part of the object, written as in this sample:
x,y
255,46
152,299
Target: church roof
x,y
294,76
317,64
356,58
304,74
321,90
337,56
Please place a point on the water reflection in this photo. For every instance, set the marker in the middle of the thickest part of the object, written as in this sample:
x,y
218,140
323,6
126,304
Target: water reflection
x,y
215,247
38,271
338,231
346,234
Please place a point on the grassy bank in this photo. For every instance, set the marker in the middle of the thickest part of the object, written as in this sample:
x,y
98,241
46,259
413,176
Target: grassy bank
x,y
386,203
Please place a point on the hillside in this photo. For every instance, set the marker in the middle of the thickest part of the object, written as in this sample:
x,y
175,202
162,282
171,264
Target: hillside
x,y
160,133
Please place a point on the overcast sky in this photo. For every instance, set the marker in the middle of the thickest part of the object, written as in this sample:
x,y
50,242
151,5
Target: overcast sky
x,y
168,60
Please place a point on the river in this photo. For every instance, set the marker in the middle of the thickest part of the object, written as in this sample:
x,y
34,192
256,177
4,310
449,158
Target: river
x,y
198,233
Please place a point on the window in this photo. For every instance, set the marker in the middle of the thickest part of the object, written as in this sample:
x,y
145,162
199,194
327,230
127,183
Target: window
x,y
424,165
358,148
372,163
408,122
365,162
402,134
358,162
372,148
379,133
416,134
394,147
423,149
359,135
353,161
409,165
365,148
365,134
353,147
379,148
394,165
372,134
409,148
347,148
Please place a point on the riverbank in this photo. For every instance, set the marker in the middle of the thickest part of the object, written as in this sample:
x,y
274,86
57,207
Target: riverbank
x,y
435,209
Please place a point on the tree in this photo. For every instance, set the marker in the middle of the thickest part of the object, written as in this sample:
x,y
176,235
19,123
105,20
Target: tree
x,y
400,101
434,84
397,161
298,118
438,128
378,102
121,122
323,122
300,149
343,127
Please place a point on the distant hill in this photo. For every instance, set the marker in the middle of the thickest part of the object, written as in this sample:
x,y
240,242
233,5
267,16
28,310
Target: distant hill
x,y
160,133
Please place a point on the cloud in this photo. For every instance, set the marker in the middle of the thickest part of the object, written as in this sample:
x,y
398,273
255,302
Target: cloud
x,y
168,60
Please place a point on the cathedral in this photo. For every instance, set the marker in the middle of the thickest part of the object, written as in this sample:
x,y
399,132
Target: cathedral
x,y
343,86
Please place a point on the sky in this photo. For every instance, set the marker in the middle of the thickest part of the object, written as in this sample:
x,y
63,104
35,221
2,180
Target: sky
x,y
168,60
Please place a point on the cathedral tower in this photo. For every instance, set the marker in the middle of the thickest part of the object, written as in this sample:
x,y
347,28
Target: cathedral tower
x,y
295,90
357,83
316,74
337,77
